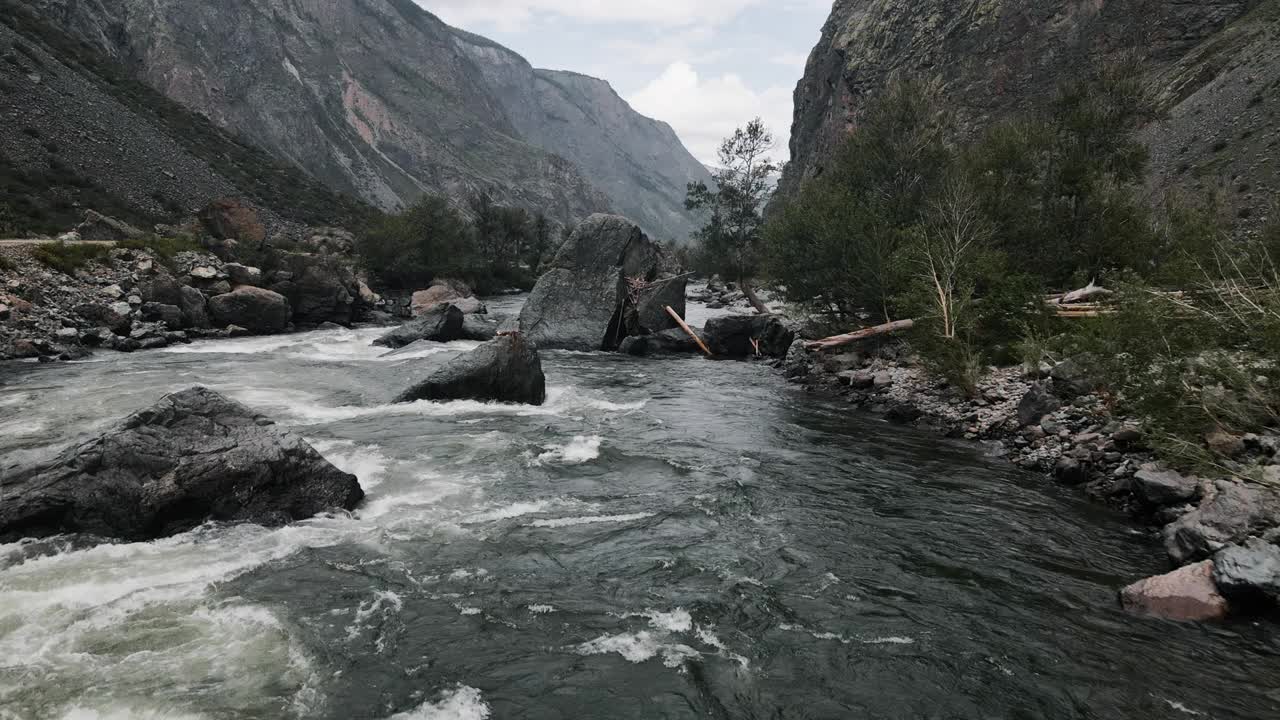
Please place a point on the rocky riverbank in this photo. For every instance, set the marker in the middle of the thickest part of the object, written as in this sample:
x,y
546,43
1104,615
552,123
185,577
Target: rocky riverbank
x,y
1219,531
135,298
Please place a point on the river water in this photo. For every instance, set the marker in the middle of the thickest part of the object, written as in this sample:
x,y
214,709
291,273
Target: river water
x,y
664,539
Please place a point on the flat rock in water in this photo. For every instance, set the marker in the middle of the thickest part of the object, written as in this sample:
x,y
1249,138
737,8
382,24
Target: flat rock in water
x,y
1186,595
506,369
443,324
194,456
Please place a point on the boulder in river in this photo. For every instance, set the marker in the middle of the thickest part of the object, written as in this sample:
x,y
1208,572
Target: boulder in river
x,y
506,369
730,336
481,327
1249,572
1232,512
1186,595
261,311
445,292
444,324
606,282
194,456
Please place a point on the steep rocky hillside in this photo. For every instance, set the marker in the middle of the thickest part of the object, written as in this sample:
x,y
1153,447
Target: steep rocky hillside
x,y
76,132
381,99
638,162
1214,63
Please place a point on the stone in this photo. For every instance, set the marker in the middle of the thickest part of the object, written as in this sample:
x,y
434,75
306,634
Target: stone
x,y
1037,403
1184,595
204,272
479,327
1070,471
1127,437
1249,572
585,300
105,316
444,324
242,274
445,292
1233,512
195,308
861,379
1071,378
193,457
5,312
881,380
100,228
1224,444
798,360
730,336
260,311
329,241
170,315
506,369
111,292
1156,486
323,289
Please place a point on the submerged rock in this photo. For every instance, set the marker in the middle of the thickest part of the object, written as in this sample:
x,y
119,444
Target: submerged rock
x,y
444,324
1186,595
481,327
506,369
194,456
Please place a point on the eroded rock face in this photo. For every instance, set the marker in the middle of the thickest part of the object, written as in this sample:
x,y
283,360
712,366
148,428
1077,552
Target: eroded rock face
x,y
1187,595
195,456
1203,60
585,301
506,369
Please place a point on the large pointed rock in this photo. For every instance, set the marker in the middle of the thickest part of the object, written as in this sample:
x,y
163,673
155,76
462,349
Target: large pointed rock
x,y
586,301
506,369
194,456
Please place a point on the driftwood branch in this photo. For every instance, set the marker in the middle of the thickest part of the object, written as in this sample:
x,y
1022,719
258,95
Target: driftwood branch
x,y
1085,294
685,326
864,334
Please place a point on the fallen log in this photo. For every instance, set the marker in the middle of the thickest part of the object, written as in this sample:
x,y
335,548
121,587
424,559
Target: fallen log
x,y
685,326
865,333
1084,294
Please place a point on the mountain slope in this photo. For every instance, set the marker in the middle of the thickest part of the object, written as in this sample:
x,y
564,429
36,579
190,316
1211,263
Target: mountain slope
x,y
76,132
374,97
999,57
638,162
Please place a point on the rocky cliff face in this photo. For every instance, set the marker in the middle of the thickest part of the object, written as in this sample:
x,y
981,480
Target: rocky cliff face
x,y
1214,63
638,162
374,97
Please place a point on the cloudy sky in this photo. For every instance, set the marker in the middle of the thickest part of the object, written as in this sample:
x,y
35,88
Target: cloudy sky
x,y
705,66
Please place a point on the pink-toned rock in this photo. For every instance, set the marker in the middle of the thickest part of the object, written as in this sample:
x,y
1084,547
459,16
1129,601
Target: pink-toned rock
x,y
1186,595
446,292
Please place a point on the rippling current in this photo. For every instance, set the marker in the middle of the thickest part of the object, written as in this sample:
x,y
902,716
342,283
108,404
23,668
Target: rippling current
x,y
664,539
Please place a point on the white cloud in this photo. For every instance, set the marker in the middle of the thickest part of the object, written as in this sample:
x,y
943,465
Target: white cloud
x,y
704,111
516,13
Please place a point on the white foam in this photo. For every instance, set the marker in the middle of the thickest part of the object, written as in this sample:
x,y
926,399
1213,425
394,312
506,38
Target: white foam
x,y
121,712
892,640
581,449
506,512
638,647
571,521
366,462
678,620
542,609
460,703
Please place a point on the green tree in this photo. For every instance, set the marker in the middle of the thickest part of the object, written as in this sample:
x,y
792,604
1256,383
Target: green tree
x,y
732,236
835,245
428,240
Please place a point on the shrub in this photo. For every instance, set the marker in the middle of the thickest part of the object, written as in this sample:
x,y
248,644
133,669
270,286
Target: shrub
x,y
430,239
7,265
69,257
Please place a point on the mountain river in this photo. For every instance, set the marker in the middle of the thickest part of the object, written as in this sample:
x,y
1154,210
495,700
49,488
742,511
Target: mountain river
x,y
666,538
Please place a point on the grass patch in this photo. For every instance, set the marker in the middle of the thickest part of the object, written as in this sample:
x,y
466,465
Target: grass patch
x,y
69,257
7,265
164,247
